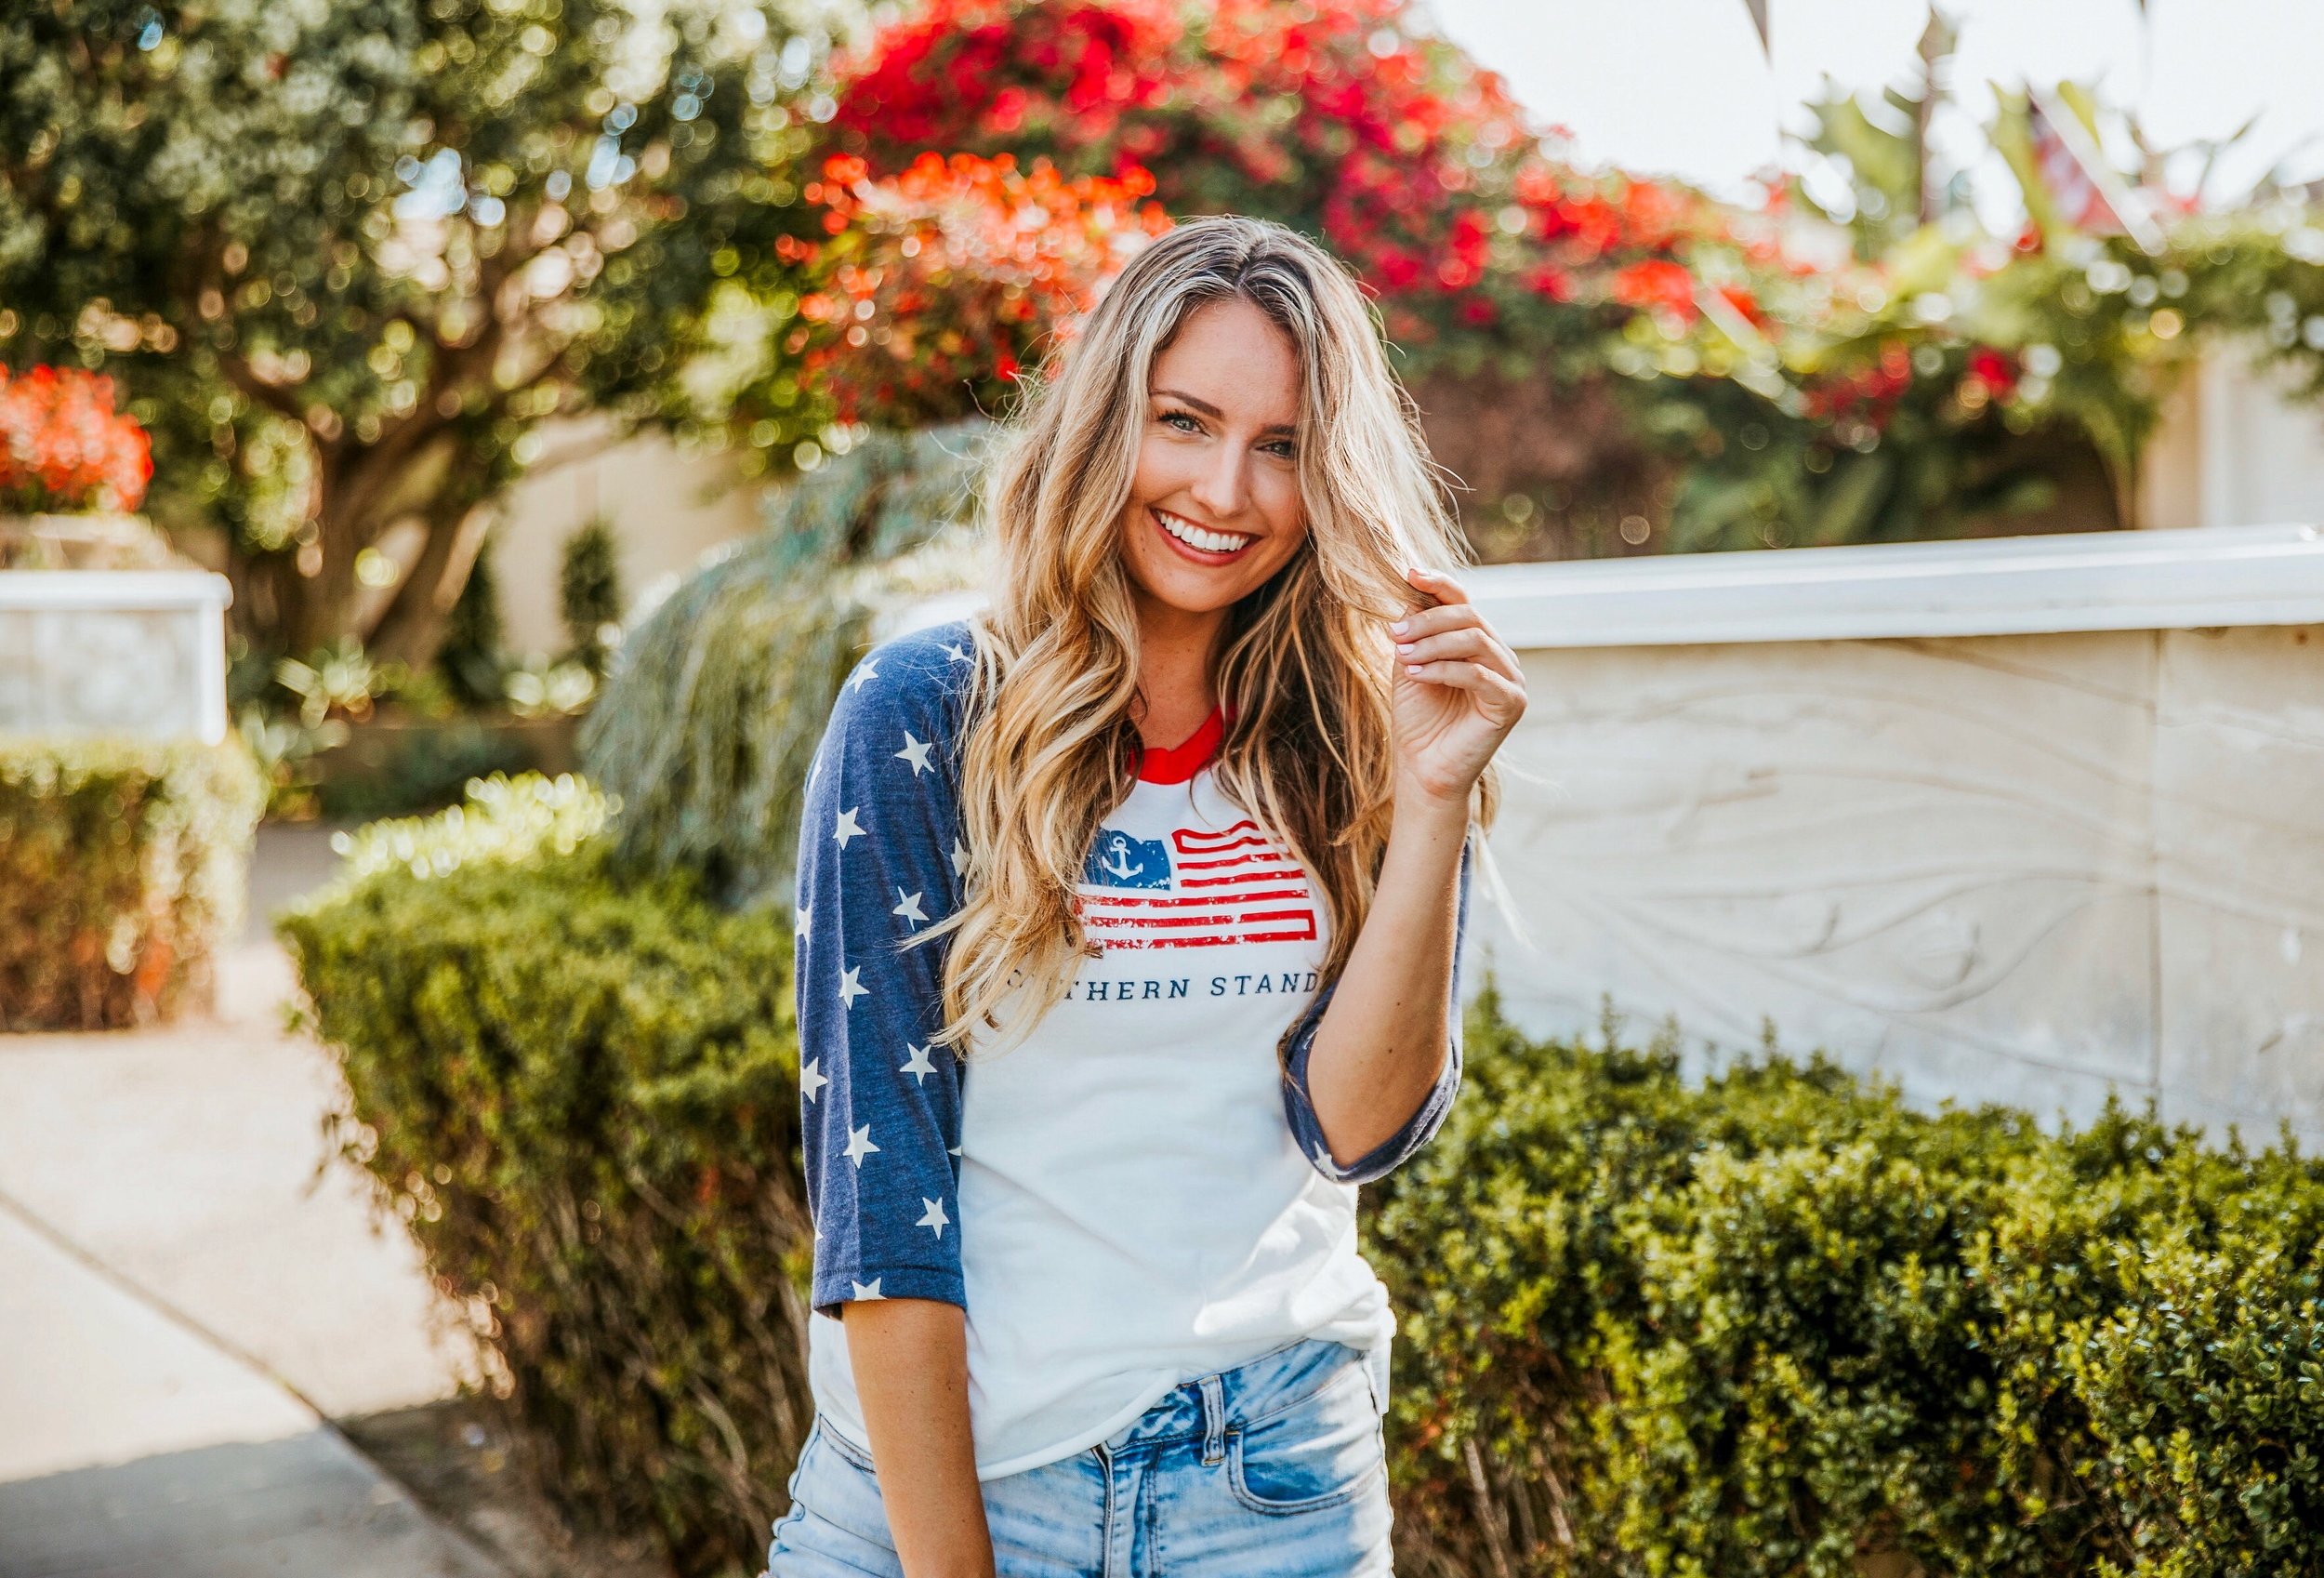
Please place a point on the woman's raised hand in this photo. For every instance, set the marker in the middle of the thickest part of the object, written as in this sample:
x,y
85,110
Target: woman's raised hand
x,y
1459,691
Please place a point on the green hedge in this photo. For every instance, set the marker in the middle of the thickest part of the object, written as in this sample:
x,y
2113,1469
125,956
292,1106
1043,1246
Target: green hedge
x,y
122,870
582,1096
1778,1323
1775,1323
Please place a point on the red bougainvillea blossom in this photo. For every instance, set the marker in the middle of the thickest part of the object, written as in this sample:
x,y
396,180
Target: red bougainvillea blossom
x,y
1995,370
64,447
1332,115
1868,395
939,285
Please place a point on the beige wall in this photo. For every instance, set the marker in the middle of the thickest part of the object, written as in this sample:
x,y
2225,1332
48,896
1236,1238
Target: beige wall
x,y
668,508
2031,868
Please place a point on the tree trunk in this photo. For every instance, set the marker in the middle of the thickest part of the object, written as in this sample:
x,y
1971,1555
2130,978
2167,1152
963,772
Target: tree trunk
x,y
412,628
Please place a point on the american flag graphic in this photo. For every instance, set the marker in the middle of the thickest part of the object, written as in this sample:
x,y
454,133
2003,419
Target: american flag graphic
x,y
1206,890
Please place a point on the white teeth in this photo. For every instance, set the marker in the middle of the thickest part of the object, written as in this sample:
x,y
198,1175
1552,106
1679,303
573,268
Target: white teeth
x,y
1194,536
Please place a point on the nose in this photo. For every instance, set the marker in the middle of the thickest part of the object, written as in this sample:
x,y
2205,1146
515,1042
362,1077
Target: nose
x,y
1222,486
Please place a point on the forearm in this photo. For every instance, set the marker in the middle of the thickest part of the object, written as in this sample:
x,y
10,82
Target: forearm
x,y
910,1361
1381,1043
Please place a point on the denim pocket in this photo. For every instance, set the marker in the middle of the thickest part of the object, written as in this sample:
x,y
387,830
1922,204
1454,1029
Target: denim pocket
x,y
845,1447
1316,1454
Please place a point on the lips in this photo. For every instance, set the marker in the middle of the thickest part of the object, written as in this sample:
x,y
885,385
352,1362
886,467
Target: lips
x,y
1200,555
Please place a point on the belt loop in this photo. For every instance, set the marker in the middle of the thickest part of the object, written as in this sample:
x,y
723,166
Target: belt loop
x,y
1213,1421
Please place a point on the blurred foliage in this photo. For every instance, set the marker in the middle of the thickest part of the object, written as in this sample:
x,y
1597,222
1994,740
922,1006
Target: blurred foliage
x,y
346,257
580,1093
713,711
122,873
1775,1322
423,767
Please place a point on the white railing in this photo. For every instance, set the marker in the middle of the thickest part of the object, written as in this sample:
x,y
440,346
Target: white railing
x,y
130,651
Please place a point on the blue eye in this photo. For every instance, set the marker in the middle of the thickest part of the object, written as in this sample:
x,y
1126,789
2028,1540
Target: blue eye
x,y
1181,417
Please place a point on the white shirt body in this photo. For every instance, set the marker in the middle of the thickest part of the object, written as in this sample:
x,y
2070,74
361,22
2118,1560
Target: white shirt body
x,y
1134,1210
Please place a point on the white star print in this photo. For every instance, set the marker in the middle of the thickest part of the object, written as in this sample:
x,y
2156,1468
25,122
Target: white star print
x,y
917,1064
953,1151
959,857
957,655
866,1290
871,666
804,910
908,906
933,1216
916,752
847,827
850,987
811,1078
859,1145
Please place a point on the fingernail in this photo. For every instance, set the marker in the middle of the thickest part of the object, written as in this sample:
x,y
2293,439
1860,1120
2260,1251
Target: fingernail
x,y
1412,668
1400,627
1404,646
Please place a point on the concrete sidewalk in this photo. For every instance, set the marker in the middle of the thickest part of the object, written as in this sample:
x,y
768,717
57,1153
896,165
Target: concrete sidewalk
x,y
189,1290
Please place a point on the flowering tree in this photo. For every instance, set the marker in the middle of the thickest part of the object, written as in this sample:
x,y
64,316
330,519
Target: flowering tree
x,y
63,447
346,259
1334,118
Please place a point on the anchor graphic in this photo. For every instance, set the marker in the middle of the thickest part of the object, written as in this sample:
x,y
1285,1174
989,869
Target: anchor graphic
x,y
1120,865
1118,859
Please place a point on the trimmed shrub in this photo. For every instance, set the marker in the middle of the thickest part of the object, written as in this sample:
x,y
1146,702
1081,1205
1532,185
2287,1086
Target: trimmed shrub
x,y
588,592
1778,1323
581,1094
1772,1323
122,870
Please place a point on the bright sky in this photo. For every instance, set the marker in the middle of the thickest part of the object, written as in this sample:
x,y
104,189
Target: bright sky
x,y
1680,87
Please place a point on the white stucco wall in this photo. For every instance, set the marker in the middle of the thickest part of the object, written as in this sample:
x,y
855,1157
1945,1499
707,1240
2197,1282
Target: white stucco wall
x,y
1994,862
668,507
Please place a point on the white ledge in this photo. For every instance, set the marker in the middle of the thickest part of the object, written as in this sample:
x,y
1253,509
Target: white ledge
x,y
22,589
2146,580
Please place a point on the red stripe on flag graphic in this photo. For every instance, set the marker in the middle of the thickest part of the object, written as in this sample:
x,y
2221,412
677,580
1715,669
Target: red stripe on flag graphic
x,y
1251,892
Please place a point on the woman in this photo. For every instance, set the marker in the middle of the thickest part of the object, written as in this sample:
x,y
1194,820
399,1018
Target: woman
x,y
1187,810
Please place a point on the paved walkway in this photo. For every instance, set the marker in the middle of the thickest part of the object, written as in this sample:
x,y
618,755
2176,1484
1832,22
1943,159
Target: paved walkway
x,y
187,1297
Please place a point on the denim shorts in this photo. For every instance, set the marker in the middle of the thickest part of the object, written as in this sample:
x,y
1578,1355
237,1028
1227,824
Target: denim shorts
x,y
1273,1470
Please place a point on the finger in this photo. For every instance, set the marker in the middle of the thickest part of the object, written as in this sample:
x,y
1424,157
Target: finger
x,y
1472,642
1502,698
1435,621
1441,587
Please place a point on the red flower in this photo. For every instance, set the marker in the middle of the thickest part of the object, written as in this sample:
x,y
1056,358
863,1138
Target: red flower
x,y
944,281
1656,284
1994,370
63,447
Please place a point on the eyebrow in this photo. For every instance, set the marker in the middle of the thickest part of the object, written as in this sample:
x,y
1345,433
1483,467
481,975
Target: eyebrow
x,y
1212,411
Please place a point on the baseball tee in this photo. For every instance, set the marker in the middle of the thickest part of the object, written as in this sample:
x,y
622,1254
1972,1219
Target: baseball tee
x,y
1133,1194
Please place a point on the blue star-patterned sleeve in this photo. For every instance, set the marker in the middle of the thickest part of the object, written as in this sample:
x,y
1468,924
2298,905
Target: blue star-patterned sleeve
x,y
879,858
1298,1106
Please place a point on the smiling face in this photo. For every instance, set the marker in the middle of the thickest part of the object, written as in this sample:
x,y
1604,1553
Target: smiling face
x,y
1214,507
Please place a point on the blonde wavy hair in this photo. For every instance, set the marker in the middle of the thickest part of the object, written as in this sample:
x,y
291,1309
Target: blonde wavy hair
x,y
1305,665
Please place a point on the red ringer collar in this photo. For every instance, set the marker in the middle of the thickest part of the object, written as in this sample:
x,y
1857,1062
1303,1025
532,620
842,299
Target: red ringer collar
x,y
1176,763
